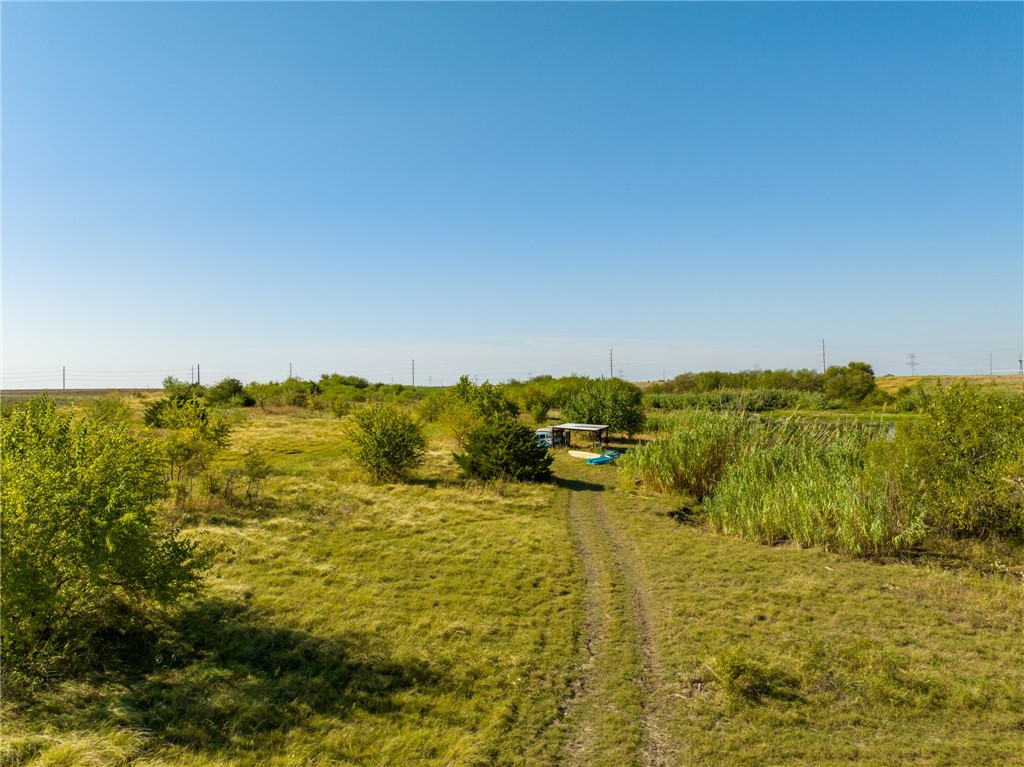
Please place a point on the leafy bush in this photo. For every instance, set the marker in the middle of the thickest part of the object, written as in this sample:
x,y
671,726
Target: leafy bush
x,y
194,436
505,449
255,469
851,383
387,442
80,533
610,401
108,410
466,406
229,392
911,400
969,453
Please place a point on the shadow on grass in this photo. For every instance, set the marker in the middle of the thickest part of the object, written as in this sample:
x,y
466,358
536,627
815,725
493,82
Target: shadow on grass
x,y
578,485
224,678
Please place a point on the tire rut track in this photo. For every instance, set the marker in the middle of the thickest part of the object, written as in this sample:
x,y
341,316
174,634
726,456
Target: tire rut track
x,y
614,715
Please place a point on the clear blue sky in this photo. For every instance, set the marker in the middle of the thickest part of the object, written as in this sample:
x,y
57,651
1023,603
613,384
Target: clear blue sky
x,y
508,189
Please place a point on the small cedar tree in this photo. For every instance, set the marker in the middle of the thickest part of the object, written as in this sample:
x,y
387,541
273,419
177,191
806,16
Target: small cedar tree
x,y
505,449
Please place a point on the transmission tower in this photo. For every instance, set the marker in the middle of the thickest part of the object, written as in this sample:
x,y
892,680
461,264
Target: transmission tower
x,y
912,363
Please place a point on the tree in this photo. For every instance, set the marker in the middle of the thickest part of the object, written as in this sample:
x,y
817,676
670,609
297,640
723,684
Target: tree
x,y
229,392
261,392
505,449
387,442
609,401
467,406
850,384
194,435
80,532
255,469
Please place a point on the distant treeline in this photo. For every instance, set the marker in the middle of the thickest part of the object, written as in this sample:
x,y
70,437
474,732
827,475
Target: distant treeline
x,y
333,392
716,380
763,390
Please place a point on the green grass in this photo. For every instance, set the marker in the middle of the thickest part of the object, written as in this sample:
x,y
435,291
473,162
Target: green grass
x,y
853,661
446,623
345,624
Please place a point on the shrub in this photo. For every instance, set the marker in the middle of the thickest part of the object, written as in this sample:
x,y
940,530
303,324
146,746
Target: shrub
x,y
851,383
80,533
255,469
969,449
505,449
387,442
229,392
108,410
194,437
610,401
466,406
909,400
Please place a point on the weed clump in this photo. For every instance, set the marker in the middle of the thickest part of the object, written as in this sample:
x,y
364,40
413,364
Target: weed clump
x,y
747,679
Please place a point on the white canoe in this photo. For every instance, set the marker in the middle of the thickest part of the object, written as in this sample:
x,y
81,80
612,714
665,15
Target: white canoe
x,y
583,454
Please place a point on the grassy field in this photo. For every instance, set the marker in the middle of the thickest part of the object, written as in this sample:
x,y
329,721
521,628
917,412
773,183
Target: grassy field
x,y
892,384
445,623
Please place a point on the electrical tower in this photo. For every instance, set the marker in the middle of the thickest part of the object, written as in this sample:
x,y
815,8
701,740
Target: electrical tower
x,y
912,363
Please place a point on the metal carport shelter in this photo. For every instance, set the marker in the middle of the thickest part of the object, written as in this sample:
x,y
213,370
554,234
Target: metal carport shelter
x,y
598,431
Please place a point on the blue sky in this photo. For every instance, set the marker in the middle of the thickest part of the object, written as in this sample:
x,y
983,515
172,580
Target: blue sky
x,y
508,189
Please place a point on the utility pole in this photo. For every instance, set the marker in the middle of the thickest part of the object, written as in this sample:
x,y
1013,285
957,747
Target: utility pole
x,y
289,370
191,374
610,375
63,377
198,380
912,363
414,372
823,356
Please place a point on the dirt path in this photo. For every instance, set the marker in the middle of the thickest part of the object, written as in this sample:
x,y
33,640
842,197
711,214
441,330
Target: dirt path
x,y
614,717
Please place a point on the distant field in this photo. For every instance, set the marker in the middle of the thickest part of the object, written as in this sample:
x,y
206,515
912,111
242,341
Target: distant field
x,y
892,384
446,623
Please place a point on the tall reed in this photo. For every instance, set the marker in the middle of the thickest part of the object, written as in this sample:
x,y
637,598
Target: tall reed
x,y
815,484
691,461
812,486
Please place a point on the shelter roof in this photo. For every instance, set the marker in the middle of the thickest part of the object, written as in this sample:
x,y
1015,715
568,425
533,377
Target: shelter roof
x,y
582,426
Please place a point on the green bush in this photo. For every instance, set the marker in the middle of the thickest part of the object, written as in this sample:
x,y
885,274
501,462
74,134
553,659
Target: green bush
x,y
610,401
194,437
229,392
969,449
911,400
80,536
505,449
851,383
387,442
467,406
108,410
